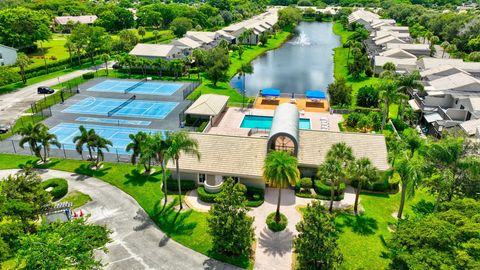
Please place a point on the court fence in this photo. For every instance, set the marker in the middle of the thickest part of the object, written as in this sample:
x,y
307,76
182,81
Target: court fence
x,y
190,88
48,101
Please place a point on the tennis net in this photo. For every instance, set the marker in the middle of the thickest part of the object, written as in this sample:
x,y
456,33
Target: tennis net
x,y
135,86
119,107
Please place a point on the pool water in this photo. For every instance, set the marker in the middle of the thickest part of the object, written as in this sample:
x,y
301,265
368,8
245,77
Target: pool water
x,y
265,122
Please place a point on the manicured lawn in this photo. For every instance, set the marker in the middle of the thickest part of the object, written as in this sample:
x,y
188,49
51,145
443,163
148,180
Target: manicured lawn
x,y
54,51
21,122
251,52
188,228
341,62
77,198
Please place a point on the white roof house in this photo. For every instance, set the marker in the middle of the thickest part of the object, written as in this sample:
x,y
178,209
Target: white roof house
x,y
385,33
401,64
156,51
362,16
397,53
208,105
416,49
441,71
394,28
471,67
378,24
456,83
388,39
85,19
471,127
8,55
202,37
186,42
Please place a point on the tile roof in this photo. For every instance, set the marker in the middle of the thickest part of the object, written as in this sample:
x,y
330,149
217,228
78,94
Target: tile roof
x,y
208,104
86,19
153,50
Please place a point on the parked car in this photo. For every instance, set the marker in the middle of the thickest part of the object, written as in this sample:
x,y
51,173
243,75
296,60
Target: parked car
x,y
3,129
45,90
117,66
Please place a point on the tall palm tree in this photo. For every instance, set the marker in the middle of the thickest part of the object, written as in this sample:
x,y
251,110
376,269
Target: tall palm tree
x,y
444,46
343,153
85,138
100,144
136,145
31,135
331,171
105,58
245,68
46,140
160,146
280,170
409,170
180,142
390,94
364,173
147,154
412,140
70,46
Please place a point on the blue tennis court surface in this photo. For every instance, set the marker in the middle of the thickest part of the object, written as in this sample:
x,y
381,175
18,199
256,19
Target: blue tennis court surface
x,y
149,88
113,121
117,135
136,108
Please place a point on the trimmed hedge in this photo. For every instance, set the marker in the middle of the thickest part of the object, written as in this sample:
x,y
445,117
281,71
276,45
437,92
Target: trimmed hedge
x,y
186,185
274,226
202,126
377,186
255,196
89,75
59,187
324,189
204,196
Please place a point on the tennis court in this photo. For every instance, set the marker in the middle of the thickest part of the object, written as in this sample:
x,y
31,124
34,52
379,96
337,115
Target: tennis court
x,y
117,135
120,107
147,87
113,121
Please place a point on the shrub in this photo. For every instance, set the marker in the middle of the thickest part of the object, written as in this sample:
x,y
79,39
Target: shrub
x,y
324,189
59,187
399,124
353,118
186,185
89,75
204,196
274,226
306,183
202,126
367,96
255,196
368,71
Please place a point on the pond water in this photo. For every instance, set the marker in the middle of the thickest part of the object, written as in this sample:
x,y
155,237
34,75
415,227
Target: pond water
x,y
304,62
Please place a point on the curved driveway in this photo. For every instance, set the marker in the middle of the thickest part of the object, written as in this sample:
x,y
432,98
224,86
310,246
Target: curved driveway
x,y
137,242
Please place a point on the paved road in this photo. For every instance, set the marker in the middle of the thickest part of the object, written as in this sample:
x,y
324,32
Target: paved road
x,y
137,242
13,104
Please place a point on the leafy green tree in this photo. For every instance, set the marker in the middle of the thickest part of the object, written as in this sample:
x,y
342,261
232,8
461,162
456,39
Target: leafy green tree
x,y
474,56
240,51
412,141
22,27
23,61
100,144
127,39
367,96
446,239
160,64
180,143
67,245
289,17
217,64
114,18
105,58
410,172
180,26
156,34
388,71
147,16
451,49
91,39
228,223
316,243
363,172
22,200
340,93
141,31
263,39
474,43
280,170
246,36
359,64
8,75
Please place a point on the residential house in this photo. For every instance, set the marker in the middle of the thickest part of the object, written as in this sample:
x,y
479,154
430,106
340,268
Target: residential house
x,y
415,49
394,28
363,17
441,71
186,45
8,55
471,67
154,51
402,65
398,53
207,40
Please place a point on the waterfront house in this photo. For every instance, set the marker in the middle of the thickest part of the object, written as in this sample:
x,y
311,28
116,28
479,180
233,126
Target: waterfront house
x,y
153,51
186,45
402,65
415,49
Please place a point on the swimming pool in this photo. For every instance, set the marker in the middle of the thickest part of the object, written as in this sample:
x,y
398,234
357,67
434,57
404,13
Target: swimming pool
x,y
136,108
148,88
117,135
265,122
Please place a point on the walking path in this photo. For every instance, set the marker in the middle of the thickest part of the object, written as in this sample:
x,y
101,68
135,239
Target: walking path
x,y
275,249
13,104
137,242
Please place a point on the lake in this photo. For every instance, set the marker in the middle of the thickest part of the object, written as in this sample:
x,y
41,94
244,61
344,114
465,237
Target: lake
x,y
302,63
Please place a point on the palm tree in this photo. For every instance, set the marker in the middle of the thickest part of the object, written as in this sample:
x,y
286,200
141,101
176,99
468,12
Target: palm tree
x,y
331,171
412,141
71,48
148,154
176,67
280,170
444,46
46,140
409,170
245,36
86,137
141,31
388,70
23,61
160,64
159,145
223,43
342,152
31,135
156,34
100,144
390,94
105,58
136,145
240,51
451,48
364,172
180,142
245,68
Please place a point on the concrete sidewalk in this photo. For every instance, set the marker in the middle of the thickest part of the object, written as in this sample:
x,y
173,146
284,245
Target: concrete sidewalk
x,y
14,104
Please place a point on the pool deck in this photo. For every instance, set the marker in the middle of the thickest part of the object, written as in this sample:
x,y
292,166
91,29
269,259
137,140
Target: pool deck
x,y
303,104
229,123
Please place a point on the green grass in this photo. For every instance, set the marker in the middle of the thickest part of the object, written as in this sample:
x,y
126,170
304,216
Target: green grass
x,y
251,52
21,122
361,237
54,51
189,228
341,64
77,199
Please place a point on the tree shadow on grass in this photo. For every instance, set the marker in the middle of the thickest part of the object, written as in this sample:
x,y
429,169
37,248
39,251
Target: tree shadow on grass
x,y
136,178
360,224
172,221
85,169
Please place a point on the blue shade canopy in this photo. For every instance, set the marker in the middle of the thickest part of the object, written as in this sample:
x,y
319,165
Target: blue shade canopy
x,y
315,94
272,92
